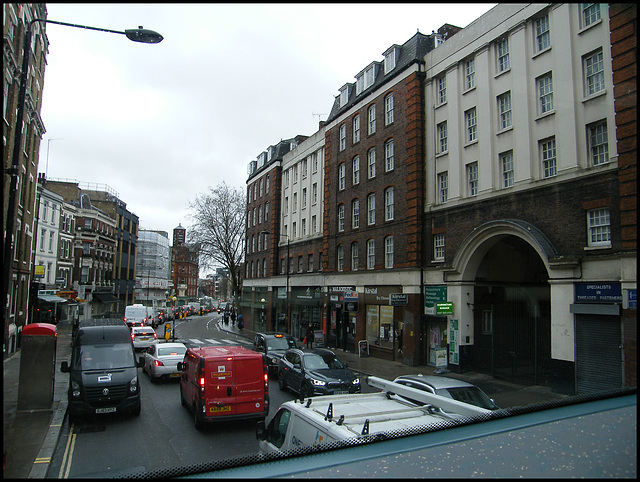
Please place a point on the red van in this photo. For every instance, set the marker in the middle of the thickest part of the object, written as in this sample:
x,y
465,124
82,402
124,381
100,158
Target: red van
x,y
224,383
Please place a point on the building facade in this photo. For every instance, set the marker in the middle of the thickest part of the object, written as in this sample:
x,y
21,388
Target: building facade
x,y
184,267
152,268
20,169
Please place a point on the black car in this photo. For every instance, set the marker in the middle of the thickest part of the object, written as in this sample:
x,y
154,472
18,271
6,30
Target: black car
x,y
273,344
316,372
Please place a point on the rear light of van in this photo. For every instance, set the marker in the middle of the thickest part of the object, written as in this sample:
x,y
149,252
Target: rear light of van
x,y
201,378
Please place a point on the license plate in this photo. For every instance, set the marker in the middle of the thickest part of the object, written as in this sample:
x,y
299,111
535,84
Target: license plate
x,y
340,392
175,375
226,408
106,410
144,339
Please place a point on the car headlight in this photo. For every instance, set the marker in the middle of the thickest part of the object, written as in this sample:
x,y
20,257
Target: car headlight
x,y
133,385
356,381
318,383
274,360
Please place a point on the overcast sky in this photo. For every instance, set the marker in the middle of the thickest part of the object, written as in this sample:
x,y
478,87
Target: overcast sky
x,y
162,123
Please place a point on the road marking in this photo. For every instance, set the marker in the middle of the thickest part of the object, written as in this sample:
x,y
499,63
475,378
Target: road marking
x,y
68,455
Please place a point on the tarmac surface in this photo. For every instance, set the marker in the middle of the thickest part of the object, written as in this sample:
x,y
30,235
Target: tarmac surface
x,y
31,436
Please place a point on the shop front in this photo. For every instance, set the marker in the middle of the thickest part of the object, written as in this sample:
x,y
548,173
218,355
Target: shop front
x,y
384,321
306,308
342,317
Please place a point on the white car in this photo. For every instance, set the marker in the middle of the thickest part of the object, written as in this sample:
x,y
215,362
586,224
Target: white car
x,y
143,336
161,360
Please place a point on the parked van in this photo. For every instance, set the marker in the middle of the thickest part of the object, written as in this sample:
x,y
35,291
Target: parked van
x,y
103,373
138,315
332,418
224,383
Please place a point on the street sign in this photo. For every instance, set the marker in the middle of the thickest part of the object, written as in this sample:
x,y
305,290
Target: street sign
x,y
444,308
398,299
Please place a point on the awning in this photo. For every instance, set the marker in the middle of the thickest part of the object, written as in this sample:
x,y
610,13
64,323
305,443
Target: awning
x,y
105,298
52,299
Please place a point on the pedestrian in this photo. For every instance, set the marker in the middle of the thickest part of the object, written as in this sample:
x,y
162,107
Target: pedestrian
x,y
240,321
309,336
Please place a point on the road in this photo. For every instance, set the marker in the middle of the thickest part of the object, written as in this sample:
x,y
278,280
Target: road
x,y
164,435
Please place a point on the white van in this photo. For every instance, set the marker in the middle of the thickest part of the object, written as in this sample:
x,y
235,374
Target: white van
x,y
138,315
330,418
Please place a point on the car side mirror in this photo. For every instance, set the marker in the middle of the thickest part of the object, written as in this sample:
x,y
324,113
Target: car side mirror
x,y
260,430
181,366
64,367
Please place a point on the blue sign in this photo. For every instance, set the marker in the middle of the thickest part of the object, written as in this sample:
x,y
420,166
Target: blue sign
x,y
598,293
633,299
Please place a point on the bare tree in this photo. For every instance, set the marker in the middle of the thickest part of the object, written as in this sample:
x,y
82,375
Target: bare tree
x,y
218,229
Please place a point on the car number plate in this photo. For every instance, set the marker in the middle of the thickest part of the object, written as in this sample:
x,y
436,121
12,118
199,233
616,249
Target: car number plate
x,y
175,375
106,410
226,408
340,392
144,339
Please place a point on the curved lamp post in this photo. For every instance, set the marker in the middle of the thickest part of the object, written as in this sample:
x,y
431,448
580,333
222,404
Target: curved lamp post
x,y
136,35
287,329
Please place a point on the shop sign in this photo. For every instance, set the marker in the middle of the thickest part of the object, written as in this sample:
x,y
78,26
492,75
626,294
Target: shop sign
x,y
433,295
598,293
633,299
398,299
444,308
341,289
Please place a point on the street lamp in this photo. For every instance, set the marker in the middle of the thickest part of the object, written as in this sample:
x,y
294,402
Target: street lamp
x,y
136,35
287,292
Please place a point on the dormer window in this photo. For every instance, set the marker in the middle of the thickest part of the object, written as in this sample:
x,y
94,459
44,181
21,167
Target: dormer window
x,y
369,76
344,96
390,59
359,83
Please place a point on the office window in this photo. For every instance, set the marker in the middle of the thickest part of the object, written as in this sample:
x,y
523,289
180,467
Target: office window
x,y
314,193
470,74
388,252
443,187
372,119
342,175
266,212
304,168
371,254
599,227
545,94
43,233
388,109
285,208
314,224
310,263
598,143
548,153
261,187
300,264
388,204
371,157
304,227
259,214
389,162
371,209
314,162
506,162
356,129
294,208
503,55
354,257
590,13
594,72
369,76
390,61
355,213
438,247
543,37
472,179
471,121
341,217
343,137
359,84
442,137
504,107
340,256
356,170
442,89
344,96
304,197
295,174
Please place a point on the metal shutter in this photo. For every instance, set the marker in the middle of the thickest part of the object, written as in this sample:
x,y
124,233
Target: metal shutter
x,y
598,353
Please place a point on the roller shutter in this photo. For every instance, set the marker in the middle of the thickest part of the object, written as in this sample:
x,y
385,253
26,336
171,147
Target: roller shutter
x,y
598,353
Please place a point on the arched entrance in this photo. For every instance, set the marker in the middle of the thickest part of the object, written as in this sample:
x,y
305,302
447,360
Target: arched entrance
x,y
512,302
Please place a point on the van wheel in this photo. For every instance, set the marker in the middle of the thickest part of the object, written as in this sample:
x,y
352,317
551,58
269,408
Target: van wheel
x,y
184,404
197,421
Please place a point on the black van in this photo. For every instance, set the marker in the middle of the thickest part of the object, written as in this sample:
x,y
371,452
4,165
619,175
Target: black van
x,y
104,370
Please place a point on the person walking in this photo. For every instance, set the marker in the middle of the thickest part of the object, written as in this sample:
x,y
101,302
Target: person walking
x,y
309,336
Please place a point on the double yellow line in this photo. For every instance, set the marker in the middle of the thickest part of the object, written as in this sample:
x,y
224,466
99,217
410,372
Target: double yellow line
x,y
68,455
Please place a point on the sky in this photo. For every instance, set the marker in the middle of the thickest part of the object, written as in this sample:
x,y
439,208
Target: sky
x,y
161,123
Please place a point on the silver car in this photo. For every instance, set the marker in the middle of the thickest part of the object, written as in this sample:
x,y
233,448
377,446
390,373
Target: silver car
x,y
161,360
449,388
143,337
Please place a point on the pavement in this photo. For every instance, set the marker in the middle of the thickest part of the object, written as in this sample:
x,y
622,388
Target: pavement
x,y
31,436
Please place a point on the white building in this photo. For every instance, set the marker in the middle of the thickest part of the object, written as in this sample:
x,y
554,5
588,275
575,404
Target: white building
x,y
153,263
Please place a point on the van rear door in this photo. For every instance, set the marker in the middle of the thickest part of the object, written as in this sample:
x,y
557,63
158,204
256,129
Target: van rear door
x,y
250,384
219,391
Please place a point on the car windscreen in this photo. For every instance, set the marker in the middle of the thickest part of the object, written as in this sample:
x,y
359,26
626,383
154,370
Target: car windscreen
x,y
320,362
279,343
471,395
103,356
169,351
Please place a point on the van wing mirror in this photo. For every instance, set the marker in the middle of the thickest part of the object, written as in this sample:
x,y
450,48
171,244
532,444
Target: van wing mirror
x,y
260,430
64,367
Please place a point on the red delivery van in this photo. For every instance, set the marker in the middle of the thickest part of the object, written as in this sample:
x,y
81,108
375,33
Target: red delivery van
x,y
224,383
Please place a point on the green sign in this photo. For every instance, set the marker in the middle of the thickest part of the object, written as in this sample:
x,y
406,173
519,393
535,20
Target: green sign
x,y
433,295
444,308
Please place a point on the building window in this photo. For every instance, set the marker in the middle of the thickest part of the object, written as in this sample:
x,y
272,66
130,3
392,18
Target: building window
x,y
356,170
548,153
359,84
342,175
470,74
388,252
389,162
310,263
590,14
471,120
388,109
442,137
314,193
371,156
594,72
304,168
388,204
340,258
438,247
266,212
343,137
356,129
354,257
599,227
314,163
372,119
503,55
443,187
304,227
506,162
390,61
371,209
504,107
545,94
371,254
355,214
304,197
341,217
369,77
294,208
543,37
344,96
442,89
314,224
286,205
472,179
598,143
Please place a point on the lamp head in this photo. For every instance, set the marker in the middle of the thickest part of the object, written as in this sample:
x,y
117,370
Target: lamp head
x,y
143,35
